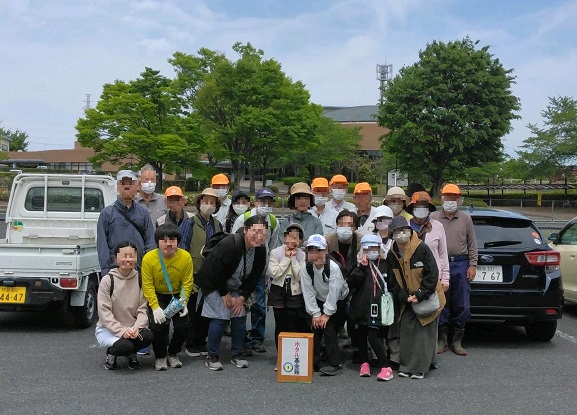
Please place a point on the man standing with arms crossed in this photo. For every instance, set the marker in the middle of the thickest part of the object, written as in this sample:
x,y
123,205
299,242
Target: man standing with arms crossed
x,y
462,252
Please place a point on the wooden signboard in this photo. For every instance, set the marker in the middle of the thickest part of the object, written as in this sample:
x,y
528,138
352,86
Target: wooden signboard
x,y
295,357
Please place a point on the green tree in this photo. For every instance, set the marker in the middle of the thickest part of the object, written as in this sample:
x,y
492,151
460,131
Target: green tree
x,y
18,139
248,106
142,121
331,146
552,148
448,111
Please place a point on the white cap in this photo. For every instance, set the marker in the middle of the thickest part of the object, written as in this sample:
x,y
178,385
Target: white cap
x,y
122,174
317,241
382,212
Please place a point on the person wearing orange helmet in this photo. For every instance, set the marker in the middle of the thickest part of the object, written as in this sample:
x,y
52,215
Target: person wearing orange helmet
x,y
327,216
363,197
339,187
220,183
462,252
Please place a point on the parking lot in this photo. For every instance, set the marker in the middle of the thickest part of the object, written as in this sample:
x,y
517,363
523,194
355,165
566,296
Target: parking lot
x,y
47,368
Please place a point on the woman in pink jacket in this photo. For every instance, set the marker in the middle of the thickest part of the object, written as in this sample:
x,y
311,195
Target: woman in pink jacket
x,y
122,317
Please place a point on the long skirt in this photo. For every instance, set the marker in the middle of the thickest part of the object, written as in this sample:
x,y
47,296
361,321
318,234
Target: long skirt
x,y
418,343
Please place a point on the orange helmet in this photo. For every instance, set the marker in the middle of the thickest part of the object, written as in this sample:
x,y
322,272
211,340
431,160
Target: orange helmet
x,y
339,179
451,189
320,183
219,179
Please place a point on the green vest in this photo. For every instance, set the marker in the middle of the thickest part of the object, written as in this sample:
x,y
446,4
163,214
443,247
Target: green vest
x,y
198,240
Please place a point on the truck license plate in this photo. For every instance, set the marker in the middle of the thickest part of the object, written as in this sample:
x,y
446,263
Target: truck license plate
x,y
12,295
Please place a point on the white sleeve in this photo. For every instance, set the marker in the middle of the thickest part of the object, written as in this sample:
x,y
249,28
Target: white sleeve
x,y
309,293
336,282
238,223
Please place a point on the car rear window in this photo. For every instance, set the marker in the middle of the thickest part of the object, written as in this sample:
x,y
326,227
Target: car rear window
x,y
64,199
506,233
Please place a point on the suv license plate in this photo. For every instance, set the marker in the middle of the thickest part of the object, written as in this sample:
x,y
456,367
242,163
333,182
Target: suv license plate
x,y
489,273
12,295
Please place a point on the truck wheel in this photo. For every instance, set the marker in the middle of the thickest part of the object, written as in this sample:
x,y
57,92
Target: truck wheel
x,y
542,331
85,315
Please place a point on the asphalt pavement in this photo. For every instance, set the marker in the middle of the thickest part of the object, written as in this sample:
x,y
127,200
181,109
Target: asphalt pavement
x,y
49,368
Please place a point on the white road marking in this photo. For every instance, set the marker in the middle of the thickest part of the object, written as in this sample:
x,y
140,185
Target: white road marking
x,y
566,336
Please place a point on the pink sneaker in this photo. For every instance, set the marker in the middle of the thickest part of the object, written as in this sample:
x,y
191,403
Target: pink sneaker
x,y
386,373
365,370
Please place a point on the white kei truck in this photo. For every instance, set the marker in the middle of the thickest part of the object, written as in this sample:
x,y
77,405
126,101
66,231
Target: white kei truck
x,y
49,260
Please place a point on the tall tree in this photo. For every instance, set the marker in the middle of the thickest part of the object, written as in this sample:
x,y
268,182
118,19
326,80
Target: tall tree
x,y
250,106
18,139
448,111
140,121
553,147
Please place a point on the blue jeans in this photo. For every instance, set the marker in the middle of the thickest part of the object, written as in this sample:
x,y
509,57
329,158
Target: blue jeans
x,y
457,311
258,314
216,330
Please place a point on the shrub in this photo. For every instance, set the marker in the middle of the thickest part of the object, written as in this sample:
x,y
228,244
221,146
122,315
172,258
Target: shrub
x,y
289,181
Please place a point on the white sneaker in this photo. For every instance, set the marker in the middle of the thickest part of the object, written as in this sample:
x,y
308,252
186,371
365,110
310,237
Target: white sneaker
x,y
160,364
213,363
174,361
238,362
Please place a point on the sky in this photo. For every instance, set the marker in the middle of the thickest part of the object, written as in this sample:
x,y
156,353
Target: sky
x,y
55,52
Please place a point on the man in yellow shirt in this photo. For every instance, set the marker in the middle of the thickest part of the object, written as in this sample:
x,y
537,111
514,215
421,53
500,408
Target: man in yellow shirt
x,y
159,289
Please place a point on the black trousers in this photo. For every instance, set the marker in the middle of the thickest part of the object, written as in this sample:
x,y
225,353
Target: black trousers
x,y
330,335
374,336
197,325
126,347
291,320
161,331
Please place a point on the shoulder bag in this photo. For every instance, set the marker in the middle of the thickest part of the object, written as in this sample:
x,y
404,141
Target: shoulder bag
x,y
175,305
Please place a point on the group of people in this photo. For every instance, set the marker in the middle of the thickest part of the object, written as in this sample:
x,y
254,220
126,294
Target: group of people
x,y
396,275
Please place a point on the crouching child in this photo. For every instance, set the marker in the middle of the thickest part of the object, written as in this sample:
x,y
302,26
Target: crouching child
x,y
324,290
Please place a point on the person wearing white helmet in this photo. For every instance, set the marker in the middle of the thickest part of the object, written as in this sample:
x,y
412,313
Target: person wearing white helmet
x,y
382,219
397,200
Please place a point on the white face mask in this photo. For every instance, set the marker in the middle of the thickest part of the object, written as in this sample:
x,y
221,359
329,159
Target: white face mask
x,y
372,255
239,209
421,212
207,209
263,210
381,225
395,208
344,233
148,187
320,200
450,206
339,194
403,236
221,192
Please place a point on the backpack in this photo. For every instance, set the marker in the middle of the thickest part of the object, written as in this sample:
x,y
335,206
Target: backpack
x,y
326,271
112,283
272,220
214,241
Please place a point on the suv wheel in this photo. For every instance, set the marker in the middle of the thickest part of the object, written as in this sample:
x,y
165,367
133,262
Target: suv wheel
x,y
85,315
541,330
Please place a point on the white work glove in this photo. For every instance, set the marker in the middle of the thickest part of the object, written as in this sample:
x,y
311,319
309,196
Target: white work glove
x,y
184,311
158,315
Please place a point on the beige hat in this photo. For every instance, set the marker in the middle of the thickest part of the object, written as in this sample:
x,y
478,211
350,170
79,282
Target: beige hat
x,y
300,188
396,191
209,191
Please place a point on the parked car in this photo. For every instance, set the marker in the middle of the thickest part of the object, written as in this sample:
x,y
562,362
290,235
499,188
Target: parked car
x,y
518,277
565,242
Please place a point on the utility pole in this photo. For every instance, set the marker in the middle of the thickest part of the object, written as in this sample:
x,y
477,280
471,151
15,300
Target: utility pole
x,y
87,102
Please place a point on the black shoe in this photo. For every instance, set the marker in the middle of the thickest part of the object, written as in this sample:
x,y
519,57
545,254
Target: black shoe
x,y
258,347
393,365
434,365
246,351
110,362
133,362
332,370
